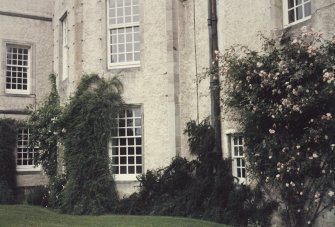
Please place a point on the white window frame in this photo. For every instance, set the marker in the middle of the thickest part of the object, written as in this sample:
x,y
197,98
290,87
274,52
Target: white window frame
x,y
286,10
116,26
119,133
238,159
27,67
64,46
23,148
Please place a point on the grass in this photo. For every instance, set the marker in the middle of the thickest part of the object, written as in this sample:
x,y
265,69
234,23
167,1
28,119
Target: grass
x,y
22,215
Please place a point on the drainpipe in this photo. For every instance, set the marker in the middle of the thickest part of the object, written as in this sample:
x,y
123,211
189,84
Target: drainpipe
x,y
214,76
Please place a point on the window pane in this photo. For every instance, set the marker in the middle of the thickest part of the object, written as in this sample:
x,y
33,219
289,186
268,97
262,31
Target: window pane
x,y
119,12
119,20
137,47
131,169
131,160
129,47
291,16
243,173
138,150
135,10
307,8
239,172
115,151
290,3
138,131
123,160
138,169
122,142
137,56
238,162
130,132
122,132
122,123
138,160
129,113
111,3
121,58
129,57
129,39
131,151
298,2
138,141
130,122
299,13
119,3
127,2
240,151
235,151
127,11
121,48
123,170
123,151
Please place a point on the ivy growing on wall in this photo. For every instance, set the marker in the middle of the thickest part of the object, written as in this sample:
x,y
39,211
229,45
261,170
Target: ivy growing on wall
x,y
87,121
46,129
8,134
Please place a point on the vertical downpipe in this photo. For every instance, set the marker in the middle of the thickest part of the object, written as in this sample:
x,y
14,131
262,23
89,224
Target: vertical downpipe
x,y
214,76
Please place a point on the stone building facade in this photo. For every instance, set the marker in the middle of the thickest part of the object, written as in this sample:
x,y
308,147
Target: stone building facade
x,y
158,49
26,58
149,45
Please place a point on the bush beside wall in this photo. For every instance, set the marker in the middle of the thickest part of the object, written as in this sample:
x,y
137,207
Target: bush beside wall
x,y
202,188
8,134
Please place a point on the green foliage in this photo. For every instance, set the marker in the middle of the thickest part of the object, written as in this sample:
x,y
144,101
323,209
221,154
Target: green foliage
x,y
285,99
46,127
37,196
55,187
87,122
192,189
8,137
200,138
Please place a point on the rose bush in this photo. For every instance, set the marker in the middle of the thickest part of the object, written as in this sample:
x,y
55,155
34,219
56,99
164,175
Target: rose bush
x,y
284,99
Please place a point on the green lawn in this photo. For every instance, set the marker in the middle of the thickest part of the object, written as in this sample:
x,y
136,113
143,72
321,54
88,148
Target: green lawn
x,y
21,215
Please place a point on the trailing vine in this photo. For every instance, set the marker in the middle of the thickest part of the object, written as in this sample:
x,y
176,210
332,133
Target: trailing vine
x,y
88,120
46,130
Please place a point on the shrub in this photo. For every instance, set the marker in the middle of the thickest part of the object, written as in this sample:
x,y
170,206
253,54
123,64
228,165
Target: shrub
x,y
285,99
8,134
56,185
37,196
202,188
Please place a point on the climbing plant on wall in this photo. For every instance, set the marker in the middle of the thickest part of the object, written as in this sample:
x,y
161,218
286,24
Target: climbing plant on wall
x,y
87,121
46,129
285,99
